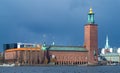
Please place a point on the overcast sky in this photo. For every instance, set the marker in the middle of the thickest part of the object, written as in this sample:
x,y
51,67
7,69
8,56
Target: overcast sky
x,y
61,21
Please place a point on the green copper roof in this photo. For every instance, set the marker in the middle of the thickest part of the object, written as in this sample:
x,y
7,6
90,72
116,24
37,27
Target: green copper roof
x,y
67,48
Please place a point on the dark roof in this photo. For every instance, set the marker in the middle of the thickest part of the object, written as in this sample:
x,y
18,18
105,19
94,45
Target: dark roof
x,y
67,48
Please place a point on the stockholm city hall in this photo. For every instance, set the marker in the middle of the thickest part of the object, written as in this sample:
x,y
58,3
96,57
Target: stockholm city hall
x,y
58,55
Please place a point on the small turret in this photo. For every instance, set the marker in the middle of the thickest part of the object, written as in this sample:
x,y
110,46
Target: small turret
x,y
44,46
91,16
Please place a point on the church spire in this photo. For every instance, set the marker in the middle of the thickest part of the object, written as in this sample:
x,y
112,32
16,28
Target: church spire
x,y
91,16
107,45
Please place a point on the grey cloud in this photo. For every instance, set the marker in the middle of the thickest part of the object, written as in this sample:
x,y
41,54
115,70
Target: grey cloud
x,y
29,20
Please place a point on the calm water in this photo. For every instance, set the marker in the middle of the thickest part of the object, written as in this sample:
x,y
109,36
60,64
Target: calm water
x,y
61,69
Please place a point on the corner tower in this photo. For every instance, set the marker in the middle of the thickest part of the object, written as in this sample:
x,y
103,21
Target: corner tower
x,y
91,38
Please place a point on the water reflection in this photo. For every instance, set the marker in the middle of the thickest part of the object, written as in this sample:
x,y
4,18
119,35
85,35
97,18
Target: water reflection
x,y
61,69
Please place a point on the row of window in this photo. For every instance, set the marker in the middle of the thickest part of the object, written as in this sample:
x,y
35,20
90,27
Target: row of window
x,y
17,45
71,57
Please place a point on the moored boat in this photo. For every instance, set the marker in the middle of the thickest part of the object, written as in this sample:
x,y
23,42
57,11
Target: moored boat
x,y
7,65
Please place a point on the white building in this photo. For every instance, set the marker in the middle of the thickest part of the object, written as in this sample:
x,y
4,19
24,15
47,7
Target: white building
x,y
110,54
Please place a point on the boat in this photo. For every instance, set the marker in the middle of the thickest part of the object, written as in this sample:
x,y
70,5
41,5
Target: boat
x,y
113,64
7,65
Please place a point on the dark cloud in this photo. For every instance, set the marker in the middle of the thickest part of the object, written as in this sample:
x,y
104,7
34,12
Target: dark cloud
x,y
61,21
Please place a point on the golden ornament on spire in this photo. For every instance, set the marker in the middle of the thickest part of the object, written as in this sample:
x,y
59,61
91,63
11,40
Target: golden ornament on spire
x,y
90,11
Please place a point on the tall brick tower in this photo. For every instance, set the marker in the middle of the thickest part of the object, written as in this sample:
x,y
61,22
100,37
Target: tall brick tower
x,y
91,38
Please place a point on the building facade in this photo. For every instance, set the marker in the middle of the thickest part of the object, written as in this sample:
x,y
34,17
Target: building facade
x,y
68,55
23,53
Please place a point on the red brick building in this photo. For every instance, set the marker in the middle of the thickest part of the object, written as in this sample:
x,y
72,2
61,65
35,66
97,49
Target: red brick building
x,y
60,55
79,55
68,55
23,53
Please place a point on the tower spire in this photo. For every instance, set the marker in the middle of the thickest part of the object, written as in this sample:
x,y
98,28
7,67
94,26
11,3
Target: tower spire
x,y
107,44
91,16
90,11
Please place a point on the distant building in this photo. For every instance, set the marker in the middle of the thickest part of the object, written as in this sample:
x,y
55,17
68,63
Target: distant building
x,y
53,54
110,54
